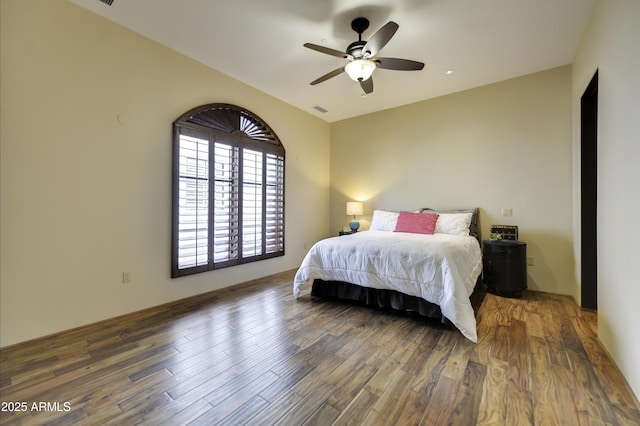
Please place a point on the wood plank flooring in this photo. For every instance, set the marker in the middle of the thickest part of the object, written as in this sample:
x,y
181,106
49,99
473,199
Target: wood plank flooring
x,y
251,354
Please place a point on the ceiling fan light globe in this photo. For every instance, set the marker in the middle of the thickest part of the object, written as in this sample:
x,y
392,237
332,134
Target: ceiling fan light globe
x,y
360,69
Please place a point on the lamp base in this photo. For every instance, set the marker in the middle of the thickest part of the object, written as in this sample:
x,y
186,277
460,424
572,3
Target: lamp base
x,y
354,225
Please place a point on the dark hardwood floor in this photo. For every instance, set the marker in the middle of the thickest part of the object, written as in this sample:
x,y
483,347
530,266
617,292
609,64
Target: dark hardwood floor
x,y
252,354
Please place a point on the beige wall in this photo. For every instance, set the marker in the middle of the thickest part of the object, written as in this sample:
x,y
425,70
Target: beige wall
x,y
503,145
84,198
610,45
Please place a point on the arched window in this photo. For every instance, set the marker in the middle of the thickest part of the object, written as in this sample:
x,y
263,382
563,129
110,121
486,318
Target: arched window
x,y
228,190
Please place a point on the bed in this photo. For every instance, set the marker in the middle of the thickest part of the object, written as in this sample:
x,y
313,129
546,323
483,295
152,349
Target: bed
x,y
428,262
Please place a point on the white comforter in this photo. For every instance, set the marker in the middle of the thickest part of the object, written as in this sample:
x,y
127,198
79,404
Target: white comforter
x,y
439,268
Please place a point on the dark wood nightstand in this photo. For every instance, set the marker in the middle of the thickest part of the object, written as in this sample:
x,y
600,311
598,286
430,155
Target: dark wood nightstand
x,y
341,233
504,267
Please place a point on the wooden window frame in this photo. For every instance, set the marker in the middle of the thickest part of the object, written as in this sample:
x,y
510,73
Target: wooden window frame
x,y
225,125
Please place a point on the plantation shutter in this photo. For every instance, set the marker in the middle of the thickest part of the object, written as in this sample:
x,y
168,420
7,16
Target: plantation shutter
x,y
193,202
252,205
274,228
228,190
226,207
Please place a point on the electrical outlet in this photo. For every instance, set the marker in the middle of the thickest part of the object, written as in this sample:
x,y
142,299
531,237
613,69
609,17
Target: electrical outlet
x,y
507,211
126,277
529,260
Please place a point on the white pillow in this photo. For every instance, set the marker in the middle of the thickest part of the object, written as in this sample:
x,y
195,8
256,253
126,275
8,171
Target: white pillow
x,y
453,223
384,221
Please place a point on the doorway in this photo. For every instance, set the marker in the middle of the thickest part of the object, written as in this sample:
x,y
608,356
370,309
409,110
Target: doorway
x,y
588,191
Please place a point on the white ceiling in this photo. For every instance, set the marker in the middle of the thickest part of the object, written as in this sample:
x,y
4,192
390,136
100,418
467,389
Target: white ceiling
x,y
259,42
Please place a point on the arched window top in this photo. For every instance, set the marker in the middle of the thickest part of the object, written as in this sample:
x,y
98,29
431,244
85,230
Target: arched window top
x,y
233,120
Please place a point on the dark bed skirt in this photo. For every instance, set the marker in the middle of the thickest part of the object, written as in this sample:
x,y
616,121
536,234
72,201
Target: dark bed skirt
x,y
388,299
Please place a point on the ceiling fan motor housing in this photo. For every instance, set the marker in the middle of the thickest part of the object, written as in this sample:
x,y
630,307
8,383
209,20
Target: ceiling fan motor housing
x,y
355,49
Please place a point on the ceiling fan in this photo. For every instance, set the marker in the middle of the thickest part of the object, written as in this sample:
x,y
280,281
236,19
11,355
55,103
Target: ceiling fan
x,y
361,55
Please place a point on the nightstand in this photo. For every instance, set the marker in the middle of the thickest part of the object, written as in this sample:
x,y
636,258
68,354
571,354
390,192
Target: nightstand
x,y
504,265
341,233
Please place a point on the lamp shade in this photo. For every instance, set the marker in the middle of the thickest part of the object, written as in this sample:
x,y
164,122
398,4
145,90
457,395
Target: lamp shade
x,y
354,208
360,69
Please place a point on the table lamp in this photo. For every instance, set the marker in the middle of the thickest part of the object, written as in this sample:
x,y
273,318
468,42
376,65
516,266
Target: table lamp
x,y
354,208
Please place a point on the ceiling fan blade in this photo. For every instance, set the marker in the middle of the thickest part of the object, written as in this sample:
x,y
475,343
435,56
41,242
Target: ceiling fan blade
x,y
399,64
327,50
380,39
367,85
327,76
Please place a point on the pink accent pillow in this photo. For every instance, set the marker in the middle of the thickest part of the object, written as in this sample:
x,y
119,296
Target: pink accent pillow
x,y
416,223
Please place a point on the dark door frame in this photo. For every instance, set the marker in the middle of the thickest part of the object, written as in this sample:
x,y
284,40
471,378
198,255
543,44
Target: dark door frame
x,y
589,194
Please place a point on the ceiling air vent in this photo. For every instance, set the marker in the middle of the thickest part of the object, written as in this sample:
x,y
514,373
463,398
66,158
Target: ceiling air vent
x,y
107,2
319,108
